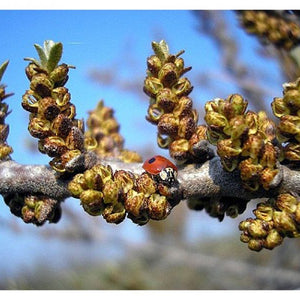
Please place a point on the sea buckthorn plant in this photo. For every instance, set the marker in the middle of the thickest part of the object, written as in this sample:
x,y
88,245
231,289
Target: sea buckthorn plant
x,y
234,156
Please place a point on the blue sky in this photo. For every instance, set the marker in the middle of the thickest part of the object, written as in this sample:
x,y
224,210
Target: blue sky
x,y
98,39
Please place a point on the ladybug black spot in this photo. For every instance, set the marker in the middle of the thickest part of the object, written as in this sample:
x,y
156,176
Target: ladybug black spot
x,y
151,160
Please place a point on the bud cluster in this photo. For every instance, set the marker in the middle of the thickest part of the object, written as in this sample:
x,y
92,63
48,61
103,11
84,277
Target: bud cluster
x,y
115,195
102,135
218,208
243,140
5,149
34,209
52,115
271,28
287,109
170,108
275,220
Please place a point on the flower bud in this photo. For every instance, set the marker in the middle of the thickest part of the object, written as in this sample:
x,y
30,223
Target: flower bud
x,y
236,127
77,185
269,156
284,222
75,139
266,177
168,74
289,125
273,239
264,212
114,213
110,192
154,113
152,86
168,125
287,202
253,146
30,101
234,105
125,180
59,75
179,150
135,203
31,70
39,128
92,202
166,100
228,148
61,96
158,207
47,108
292,151
183,108
251,119
41,84
255,244
258,228
187,127
54,146
105,172
61,126
145,184
154,65
182,87
280,108
216,119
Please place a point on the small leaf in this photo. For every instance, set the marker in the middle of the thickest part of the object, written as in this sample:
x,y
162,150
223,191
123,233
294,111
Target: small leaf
x,y
3,68
42,55
54,56
33,60
161,49
48,44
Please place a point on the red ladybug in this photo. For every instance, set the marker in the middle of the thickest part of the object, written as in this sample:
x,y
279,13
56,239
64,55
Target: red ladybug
x,y
161,168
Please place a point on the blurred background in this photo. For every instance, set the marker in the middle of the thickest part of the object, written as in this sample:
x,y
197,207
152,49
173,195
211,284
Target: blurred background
x,y
188,250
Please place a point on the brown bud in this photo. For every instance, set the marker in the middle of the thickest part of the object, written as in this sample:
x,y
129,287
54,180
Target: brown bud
x,y
266,177
41,84
179,150
182,87
168,125
125,180
183,107
61,125
59,75
145,184
234,105
135,203
287,202
54,146
280,108
166,100
168,74
61,96
110,192
114,213
39,128
152,86
48,108
31,70
30,101
154,65
187,127
158,207
92,202
269,156
75,139
229,148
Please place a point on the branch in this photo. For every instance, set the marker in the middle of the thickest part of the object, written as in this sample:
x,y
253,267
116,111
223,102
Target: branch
x,y
195,181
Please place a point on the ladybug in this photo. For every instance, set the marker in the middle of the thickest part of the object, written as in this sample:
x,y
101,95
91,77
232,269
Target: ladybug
x,y
161,169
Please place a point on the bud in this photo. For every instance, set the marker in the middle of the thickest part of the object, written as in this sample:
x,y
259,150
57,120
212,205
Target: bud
x,y
234,105
216,119
236,127
158,207
228,148
54,146
264,212
39,128
187,127
41,84
166,100
152,86
258,228
251,119
135,203
179,150
283,222
77,185
183,107
114,213
273,239
59,75
168,125
48,108
280,108
125,180
145,184
287,202
110,192
61,96
182,87
31,70
61,125
92,202
255,244
154,65
168,74
75,139
253,146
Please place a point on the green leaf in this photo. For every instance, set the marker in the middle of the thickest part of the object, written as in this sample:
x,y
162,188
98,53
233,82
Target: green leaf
x,y
3,68
54,51
33,60
161,49
42,55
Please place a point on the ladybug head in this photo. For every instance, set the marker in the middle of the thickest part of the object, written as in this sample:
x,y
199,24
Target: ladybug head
x,y
168,175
